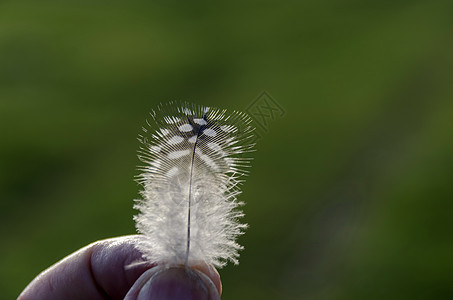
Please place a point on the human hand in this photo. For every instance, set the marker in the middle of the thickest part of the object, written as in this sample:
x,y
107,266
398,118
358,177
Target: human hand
x,y
111,269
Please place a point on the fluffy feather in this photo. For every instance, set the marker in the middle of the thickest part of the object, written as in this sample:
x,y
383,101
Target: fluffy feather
x,y
193,167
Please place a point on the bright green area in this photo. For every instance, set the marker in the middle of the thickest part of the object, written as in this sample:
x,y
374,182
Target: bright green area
x,y
350,195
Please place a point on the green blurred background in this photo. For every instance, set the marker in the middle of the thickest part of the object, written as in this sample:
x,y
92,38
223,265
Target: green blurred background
x,y
350,195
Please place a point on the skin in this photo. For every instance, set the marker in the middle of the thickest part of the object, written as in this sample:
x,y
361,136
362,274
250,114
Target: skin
x,y
114,269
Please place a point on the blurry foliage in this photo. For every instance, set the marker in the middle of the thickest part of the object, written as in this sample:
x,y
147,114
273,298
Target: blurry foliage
x,y
350,195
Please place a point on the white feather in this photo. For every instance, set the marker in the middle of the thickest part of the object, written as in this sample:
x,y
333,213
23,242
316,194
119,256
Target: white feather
x,y
194,165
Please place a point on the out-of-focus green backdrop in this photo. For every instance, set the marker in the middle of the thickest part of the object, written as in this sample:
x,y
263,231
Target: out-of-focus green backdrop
x,y
350,195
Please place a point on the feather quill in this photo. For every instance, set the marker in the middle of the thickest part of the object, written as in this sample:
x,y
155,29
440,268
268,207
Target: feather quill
x,y
194,164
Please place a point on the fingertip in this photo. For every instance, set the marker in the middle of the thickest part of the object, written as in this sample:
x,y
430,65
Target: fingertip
x,y
180,283
212,274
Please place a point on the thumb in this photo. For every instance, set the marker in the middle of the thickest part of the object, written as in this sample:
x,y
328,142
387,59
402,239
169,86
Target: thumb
x,y
168,283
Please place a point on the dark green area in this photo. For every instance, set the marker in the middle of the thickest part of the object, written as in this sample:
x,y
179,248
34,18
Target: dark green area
x,y
350,195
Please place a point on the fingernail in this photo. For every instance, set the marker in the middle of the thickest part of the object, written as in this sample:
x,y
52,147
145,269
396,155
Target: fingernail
x,y
176,283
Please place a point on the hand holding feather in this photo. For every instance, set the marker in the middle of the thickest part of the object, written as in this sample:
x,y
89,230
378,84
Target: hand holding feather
x,y
188,216
102,270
